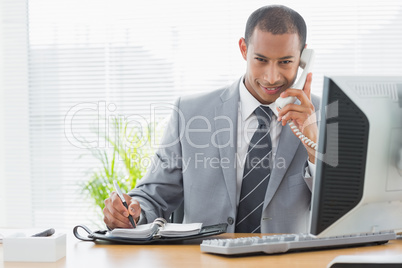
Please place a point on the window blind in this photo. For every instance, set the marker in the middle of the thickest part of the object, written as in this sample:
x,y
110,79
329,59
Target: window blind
x,y
15,181
86,60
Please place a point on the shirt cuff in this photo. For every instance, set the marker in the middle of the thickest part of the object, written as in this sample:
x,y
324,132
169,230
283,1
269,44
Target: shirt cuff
x,y
309,173
142,219
310,170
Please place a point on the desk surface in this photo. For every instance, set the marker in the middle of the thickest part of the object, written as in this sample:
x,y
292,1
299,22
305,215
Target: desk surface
x,y
188,254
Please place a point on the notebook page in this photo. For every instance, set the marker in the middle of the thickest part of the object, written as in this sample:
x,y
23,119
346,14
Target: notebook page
x,y
142,231
177,229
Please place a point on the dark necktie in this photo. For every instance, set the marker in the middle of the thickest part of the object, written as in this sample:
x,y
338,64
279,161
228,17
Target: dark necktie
x,y
256,175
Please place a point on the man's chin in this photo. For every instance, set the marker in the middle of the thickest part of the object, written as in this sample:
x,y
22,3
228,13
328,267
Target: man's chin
x,y
268,99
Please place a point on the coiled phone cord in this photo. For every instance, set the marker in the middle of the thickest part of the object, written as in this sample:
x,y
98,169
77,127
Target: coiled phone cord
x,y
300,135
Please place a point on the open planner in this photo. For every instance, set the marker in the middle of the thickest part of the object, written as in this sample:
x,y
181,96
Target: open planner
x,y
159,230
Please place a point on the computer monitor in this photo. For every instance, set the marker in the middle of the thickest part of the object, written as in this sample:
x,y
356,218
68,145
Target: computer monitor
x,y
358,184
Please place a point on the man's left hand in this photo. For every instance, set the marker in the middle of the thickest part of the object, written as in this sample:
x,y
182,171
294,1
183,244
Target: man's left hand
x,y
303,115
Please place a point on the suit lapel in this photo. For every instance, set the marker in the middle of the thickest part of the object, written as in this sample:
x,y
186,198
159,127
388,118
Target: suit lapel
x,y
288,144
226,136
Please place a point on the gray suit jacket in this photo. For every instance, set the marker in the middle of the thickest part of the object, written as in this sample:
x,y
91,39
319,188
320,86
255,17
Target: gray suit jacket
x,y
197,164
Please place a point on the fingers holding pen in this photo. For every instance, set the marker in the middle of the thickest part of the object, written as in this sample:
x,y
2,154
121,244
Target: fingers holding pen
x,y
115,214
134,209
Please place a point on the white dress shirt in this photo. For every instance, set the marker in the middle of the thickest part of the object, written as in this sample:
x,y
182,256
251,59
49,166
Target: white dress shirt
x,y
247,124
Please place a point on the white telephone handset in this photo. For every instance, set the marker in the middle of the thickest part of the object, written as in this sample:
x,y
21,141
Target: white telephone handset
x,y
306,63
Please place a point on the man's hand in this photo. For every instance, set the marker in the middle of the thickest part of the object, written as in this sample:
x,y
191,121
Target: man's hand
x,y
116,215
303,115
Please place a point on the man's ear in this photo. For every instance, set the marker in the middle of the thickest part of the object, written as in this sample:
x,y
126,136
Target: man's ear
x,y
243,48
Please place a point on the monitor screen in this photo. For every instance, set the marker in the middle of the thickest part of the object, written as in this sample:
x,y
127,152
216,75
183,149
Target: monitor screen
x,y
358,184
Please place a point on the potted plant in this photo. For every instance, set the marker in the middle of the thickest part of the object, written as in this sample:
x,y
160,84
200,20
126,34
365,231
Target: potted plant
x,y
121,160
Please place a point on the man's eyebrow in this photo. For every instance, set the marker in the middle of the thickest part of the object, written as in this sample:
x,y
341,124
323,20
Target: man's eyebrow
x,y
283,58
287,58
259,55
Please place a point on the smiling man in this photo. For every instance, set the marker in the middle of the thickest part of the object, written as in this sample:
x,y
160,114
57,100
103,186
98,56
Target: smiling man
x,y
272,62
226,155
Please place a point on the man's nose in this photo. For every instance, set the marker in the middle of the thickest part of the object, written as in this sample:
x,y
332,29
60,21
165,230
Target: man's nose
x,y
271,74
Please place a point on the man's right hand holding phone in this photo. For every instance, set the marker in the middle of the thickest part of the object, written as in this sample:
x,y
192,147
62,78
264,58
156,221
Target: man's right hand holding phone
x,y
116,215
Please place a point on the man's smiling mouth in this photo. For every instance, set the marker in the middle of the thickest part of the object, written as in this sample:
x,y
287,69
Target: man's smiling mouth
x,y
271,89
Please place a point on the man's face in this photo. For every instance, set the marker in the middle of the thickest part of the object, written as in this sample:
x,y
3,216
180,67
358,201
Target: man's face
x,y
272,63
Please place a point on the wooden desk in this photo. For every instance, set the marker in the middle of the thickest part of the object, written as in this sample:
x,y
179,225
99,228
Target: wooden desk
x,y
188,254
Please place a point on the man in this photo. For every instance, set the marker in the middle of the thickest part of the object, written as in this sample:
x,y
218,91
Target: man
x,y
206,150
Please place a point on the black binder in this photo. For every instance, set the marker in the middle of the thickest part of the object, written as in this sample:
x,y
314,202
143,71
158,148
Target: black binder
x,y
105,235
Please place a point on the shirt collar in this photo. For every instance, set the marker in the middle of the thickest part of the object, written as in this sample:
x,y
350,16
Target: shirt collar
x,y
248,103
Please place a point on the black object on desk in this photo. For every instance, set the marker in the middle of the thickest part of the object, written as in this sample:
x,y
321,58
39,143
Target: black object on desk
x,y
45,233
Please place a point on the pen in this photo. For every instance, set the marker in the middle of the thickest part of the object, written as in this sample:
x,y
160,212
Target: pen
x,y
45,233
120,194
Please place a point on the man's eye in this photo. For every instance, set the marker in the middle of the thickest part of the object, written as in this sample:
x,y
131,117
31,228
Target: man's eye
x,y
286,62
260,59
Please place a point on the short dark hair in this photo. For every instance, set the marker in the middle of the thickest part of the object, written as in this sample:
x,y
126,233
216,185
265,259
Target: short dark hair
x,y
277,19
